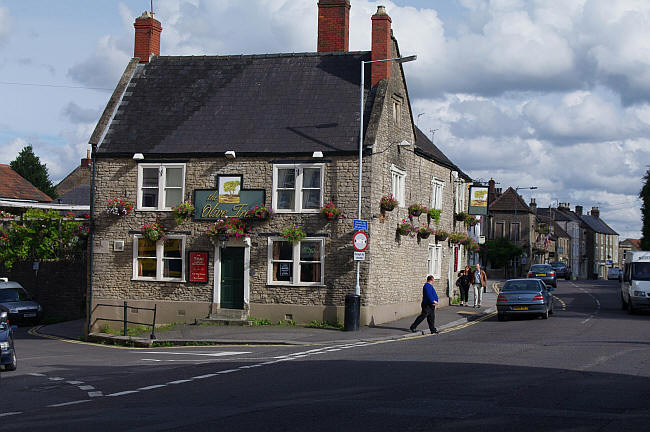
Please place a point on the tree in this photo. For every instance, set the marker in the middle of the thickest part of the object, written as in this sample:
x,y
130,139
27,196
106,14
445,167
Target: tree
x,y
29,166
644,194
500,251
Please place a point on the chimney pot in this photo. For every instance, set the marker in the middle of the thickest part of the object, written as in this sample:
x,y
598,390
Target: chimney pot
x,y
333,25
381,46
579,210
147,37
595,212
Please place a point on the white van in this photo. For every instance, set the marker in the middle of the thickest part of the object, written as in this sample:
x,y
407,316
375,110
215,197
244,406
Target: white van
x,y
635,287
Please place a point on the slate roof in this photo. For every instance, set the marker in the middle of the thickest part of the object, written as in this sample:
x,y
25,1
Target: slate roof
x,y
428,148
253,104
15,187
80,195
507,202
553,213
598,225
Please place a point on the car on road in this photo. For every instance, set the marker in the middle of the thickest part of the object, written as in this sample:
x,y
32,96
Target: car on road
x,y
19,305
543,272
7,351
613,273
561,270
524,297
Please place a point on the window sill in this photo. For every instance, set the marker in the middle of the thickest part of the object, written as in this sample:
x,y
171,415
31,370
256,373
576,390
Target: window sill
x,y
153,209
303,284
157,280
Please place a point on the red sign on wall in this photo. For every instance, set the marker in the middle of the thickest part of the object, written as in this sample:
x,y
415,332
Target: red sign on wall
x,y
198,266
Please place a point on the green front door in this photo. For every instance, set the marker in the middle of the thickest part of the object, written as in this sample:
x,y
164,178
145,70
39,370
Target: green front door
x,y
232,278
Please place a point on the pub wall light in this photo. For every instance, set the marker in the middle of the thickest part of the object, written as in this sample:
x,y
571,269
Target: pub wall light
x,y
230,154
138,156
317,154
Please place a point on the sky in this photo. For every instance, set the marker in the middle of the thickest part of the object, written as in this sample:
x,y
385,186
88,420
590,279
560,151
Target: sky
x,y
547,93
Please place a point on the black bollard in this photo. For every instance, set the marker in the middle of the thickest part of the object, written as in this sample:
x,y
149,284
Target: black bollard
x,y
352,312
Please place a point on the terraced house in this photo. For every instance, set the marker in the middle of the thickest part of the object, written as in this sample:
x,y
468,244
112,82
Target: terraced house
x,y
227,133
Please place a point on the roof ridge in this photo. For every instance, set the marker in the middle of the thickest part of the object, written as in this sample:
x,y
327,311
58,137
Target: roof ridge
x,y
268,55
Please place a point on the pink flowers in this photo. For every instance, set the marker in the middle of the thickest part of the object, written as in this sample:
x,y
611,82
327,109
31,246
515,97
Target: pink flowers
x,y
330,211
229,227
154,231
119,207
260,212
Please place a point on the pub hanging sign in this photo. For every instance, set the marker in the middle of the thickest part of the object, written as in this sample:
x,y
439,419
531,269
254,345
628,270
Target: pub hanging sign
x,y
230,199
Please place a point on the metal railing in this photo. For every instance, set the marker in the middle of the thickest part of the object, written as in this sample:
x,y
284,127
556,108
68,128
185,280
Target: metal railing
x,y
125,320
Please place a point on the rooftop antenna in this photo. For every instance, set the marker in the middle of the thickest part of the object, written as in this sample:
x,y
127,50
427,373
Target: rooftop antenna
x,y
433,133
151,7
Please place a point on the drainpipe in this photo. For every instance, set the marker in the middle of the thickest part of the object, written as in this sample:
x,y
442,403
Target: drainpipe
x,y
91,240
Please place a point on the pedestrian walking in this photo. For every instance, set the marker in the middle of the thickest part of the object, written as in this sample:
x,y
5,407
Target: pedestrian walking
x,y
429,302
463,282
479,281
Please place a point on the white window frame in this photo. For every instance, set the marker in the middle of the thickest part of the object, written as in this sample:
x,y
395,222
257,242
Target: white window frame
x,y
297,199
159,259
162,168
434,261
460,196
437,188
397,111
398,184
295,277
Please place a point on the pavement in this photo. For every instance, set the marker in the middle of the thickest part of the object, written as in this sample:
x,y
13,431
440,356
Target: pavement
x,y
447,317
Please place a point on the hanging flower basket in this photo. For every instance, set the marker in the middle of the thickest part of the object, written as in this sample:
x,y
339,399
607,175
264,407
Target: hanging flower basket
x,y
183,211
330,211
460,217
456,238
473,246
404,228
228,228
466,240
388,203
433,214
415,210
470,220
294,234
424,232
259,212
154,231
119,207
441,235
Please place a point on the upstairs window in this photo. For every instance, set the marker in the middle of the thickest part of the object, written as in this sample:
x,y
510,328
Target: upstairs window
x,y
160,186
398,181
436,193
298,188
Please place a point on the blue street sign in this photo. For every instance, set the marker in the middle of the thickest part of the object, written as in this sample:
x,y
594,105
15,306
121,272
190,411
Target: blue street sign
x,y
360,224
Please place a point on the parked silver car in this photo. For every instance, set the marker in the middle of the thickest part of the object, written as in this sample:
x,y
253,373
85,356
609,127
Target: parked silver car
x,y
524,297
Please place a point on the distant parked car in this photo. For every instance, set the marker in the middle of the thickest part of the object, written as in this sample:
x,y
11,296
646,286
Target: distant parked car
x,y
7,351
613,273
561,270
543,272
19,305
525,297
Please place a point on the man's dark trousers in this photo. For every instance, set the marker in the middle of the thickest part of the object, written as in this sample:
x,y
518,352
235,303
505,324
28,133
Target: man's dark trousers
x,y
428,312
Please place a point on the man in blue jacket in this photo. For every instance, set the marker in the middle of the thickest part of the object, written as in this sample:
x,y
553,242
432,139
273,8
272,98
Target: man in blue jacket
x,y
429,302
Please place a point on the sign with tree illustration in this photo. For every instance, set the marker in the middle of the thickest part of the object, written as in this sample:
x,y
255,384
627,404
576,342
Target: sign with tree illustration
x,y
229,188
478,200
230,199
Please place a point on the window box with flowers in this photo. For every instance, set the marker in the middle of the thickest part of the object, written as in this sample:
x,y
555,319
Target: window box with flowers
x,y
330,211
259,212
119,207
154,231
415,210
441,235
424,232
404,228
183,211
228,228
388,202
294,234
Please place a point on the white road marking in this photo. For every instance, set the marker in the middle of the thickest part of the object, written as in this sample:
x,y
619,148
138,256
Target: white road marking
x,y
68,403
10,413
122,393
205,376
227,371
86,387
214,354
95,394
75,382
36,374
179,381
151,387
56,379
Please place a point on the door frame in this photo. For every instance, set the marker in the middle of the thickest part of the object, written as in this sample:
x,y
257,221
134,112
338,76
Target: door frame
x,y
216,291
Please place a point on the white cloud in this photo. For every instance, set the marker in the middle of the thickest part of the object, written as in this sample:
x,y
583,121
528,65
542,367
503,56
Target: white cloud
x,y
104,68
5,25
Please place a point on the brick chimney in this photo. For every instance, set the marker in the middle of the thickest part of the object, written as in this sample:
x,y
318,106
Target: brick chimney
x,y
85,163
533,205
333,25
147,37
579,210
595,212
381,45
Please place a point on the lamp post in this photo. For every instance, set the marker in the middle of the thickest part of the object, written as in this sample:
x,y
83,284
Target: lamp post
x,y
517,189
353,301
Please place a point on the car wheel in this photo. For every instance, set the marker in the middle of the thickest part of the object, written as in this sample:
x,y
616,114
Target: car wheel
x,y
14,362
